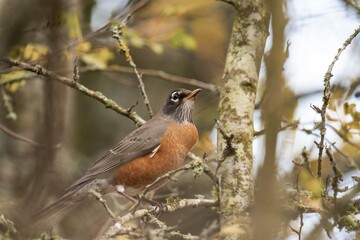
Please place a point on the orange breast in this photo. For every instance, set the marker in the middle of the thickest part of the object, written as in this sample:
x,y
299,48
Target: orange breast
x,y
176,143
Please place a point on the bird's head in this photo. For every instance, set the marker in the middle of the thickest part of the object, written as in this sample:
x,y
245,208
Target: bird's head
x,y
180,104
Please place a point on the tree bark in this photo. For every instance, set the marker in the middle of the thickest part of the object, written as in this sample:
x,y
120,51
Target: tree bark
x,y
236,109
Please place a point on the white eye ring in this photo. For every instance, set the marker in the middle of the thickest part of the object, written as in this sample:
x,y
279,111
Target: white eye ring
x,y
175,97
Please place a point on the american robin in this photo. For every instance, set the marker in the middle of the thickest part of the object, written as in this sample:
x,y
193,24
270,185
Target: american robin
x,y
150,151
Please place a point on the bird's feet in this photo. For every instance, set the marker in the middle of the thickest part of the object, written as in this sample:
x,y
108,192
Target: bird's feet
x,y
156,209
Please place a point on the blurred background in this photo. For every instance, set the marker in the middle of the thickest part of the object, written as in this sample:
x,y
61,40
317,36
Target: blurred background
x,y
187,40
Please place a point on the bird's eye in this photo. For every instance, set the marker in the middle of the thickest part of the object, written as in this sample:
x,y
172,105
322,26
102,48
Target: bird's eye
x,y
175,97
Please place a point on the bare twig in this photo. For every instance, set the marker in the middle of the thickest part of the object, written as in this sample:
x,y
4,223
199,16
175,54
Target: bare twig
x,y
327,96
195,165
338,175
76,70
24,139
290,125
301,223
109,103
229,149
230,2
161,74
98,196
171,207
117,32
350,160
305,157
168,232
132,10
206,169
298,232
354,4
343,137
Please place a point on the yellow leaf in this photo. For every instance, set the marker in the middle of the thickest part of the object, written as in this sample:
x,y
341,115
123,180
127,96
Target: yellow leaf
x,y
354,125
332,105
14,86
137,42
182,39
33,52
156,48
344,131
98,58
331,119
83,47
310,183
68,55
11,75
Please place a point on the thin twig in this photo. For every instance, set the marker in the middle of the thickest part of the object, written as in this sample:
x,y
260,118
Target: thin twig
x,y
290,125
117,32
350,160
298,232
98,196
229,149
354,4
194,165
168,232
109,103
24,139
338,175
301,223
158,73
170,207
76,70
230,2
305,157
343,137
206,169
327,96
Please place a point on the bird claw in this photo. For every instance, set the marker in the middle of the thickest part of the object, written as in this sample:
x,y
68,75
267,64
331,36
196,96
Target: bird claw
x,y
155,209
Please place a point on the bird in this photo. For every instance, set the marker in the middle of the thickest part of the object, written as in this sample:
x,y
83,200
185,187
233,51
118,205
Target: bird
x,y
159,146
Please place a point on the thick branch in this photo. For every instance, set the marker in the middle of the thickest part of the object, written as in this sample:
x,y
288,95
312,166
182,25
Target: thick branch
x,y
236,109
40,70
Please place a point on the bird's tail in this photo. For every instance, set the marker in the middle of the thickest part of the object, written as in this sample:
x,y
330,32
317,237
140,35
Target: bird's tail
x,y
53,209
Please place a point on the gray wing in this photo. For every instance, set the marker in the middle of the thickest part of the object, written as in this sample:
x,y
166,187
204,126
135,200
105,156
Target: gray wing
x,y
141,141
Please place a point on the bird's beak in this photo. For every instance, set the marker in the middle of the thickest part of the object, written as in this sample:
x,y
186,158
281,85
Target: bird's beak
x,y
192,94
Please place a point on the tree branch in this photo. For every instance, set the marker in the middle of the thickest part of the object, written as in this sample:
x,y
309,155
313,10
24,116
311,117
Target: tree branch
x,y
236,111
327,96
109,103
98,197
117,32
24,139
170,207
161,74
